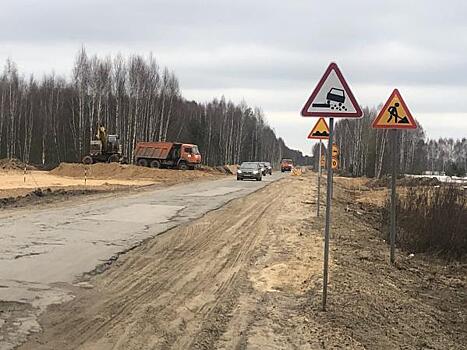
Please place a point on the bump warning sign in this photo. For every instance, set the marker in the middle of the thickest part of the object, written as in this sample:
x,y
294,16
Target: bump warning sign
x,y
320,130
394,114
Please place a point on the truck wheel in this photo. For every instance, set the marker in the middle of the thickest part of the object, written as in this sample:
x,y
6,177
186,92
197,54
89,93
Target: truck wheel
x,y
88,160
182,166
142,162
114,158
155,164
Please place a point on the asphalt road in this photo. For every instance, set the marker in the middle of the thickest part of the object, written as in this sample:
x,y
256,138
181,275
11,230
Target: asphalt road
x,y
44,250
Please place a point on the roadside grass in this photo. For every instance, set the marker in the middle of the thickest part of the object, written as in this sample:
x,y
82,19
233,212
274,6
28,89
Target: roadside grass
x,y
432,220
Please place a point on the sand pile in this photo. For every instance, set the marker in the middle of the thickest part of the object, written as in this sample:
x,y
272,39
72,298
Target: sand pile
x,y
130,172
14,164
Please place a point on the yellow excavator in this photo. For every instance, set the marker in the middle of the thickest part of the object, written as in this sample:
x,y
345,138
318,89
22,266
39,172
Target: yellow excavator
x,y
105,149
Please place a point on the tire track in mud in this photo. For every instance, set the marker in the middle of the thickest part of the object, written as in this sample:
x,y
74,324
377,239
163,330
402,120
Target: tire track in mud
x,y
214,325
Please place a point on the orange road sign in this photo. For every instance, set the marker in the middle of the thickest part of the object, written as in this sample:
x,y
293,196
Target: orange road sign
x,y
394,114
334,163
335,150
320,130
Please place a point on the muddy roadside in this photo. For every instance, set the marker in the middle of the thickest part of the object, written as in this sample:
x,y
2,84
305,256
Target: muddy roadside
x,y
248,276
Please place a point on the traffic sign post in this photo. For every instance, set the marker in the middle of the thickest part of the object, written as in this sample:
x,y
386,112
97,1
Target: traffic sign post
x,y
332,98
328,214
319,180
321,132
394,115
392,233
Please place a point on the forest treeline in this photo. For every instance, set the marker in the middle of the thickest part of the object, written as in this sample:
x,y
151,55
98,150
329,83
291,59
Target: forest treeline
x,y
365,151
52,120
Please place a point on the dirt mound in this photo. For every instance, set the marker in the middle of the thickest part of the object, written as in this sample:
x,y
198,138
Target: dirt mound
x,y
232,168
220,169
14,164
41,195
129,172
227,169
418,181
407,181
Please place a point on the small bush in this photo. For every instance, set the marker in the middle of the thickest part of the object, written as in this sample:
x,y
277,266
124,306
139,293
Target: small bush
x,y
432,220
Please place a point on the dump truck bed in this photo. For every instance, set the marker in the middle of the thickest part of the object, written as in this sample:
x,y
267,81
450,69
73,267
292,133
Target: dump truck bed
x,y
155,150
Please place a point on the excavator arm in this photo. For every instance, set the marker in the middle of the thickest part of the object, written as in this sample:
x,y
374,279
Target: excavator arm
x,y
103,137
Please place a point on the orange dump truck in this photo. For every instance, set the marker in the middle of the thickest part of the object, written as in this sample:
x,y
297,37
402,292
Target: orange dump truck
x,y
286,164
167,155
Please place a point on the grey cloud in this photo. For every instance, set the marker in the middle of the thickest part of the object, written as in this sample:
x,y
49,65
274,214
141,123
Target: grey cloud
x,y
272,46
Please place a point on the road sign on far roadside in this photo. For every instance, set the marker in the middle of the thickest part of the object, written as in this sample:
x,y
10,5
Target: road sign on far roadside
x,y
334,163
332,97
335,150
320,130
394,114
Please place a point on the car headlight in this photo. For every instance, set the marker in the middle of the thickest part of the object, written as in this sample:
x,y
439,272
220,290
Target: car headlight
x,y
239,171
255,172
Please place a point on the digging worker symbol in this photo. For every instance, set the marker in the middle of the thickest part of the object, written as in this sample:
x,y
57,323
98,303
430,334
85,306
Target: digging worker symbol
x,y
393,113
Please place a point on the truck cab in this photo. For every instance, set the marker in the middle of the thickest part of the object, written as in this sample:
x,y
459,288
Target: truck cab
x,y
190,154
286,165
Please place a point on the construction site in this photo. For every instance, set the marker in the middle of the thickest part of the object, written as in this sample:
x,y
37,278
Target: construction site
x,y
233,175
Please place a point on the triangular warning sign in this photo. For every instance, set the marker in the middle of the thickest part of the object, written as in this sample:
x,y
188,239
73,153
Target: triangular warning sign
x,y
394,114
332,97
320,130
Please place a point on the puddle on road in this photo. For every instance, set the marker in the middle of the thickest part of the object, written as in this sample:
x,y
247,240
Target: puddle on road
x,y
21,303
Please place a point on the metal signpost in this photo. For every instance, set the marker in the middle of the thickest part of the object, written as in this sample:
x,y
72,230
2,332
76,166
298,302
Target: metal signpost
x,y
332,98
318,202
394,115
328,213
392,235
321,132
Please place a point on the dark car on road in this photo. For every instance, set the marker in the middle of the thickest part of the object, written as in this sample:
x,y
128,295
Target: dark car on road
x,y
264,169
267,168
250,170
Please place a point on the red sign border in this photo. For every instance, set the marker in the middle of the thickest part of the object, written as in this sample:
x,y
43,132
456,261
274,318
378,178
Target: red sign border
x,y
314,128
358,111
413,124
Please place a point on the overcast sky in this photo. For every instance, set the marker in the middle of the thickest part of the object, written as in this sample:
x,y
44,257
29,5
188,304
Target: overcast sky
x,y
271,53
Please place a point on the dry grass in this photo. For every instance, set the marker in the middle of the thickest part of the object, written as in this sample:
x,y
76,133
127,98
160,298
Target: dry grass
x,y
433,220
